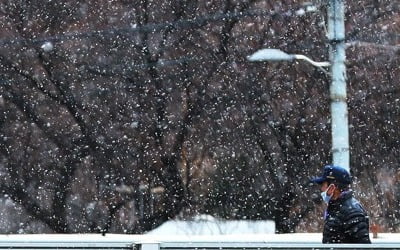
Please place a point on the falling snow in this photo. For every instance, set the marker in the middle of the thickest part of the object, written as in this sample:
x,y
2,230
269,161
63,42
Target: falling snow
x,y
118,116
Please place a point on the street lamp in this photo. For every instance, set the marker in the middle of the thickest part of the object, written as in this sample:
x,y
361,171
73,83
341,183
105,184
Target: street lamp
x,y
279,55
340,140
338,96
274,55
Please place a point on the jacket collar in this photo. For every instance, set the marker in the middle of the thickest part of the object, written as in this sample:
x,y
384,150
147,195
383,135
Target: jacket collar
x,y
345,195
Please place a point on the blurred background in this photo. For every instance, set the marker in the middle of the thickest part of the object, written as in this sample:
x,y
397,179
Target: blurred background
x,y
117,116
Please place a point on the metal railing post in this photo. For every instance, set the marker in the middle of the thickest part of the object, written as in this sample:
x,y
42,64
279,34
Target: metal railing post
x,y
149,246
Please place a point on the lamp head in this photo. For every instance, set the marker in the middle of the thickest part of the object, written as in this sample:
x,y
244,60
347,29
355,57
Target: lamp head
x,y
270,55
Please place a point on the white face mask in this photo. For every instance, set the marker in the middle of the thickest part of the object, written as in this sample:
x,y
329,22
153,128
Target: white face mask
x,y
325,196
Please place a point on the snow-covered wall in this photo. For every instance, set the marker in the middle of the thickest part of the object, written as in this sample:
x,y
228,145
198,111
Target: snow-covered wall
x,y
208,225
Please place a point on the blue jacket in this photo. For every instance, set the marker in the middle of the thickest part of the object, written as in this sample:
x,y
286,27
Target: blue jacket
x,y
346,221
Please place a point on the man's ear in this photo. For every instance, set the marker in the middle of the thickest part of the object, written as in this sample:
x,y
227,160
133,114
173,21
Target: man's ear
x,y
331,189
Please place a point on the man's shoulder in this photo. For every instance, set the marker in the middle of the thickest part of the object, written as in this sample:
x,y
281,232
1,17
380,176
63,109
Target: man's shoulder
x,y
353,202
352,206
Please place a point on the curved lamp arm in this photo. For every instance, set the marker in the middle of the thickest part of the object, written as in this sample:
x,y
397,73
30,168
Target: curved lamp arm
x,y
317,64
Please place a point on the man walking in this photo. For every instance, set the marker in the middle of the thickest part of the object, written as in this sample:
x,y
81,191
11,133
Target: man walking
x,y
345,219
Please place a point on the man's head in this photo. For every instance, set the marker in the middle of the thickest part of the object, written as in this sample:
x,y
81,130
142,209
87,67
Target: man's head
x,y
333,181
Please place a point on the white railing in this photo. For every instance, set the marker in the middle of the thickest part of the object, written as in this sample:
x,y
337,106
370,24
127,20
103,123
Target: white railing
x,y
179,242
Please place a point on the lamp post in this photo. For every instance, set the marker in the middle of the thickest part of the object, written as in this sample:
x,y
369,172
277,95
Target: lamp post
x,y
339,119
337,55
